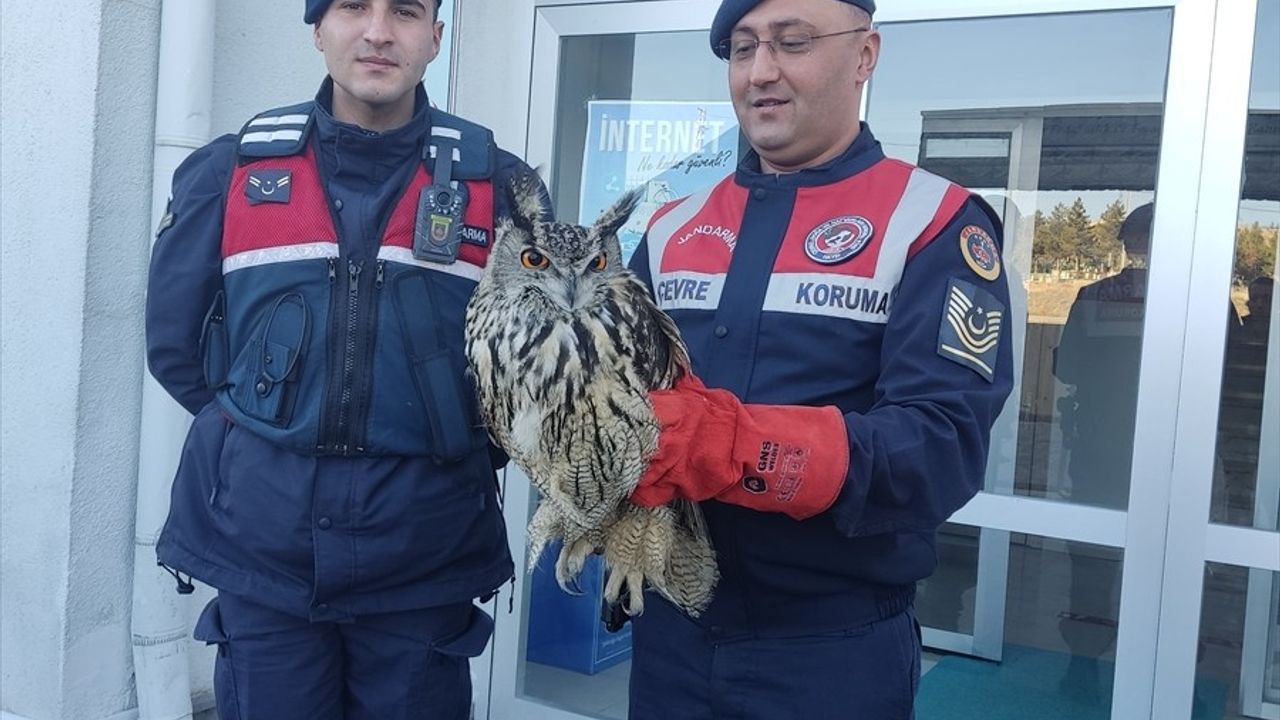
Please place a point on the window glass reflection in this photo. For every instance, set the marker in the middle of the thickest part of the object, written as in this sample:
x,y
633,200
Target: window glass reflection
x,y
1065,146
1238,656
1097,361
1057,659
1246,480
946,599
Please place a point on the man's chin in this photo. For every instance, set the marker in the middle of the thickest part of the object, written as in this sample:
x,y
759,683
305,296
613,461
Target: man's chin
x,y
770,144
378,96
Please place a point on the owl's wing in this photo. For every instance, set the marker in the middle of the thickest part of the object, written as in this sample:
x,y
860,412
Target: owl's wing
x,y
660,354
485,334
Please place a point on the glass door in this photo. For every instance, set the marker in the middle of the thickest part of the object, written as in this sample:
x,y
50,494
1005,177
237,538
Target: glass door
x,y
1220,620
1082,123
626,94
1066,150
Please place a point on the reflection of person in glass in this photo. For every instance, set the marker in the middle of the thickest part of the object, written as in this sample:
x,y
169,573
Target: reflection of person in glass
x,y
855,337
1240,416
1097,359
1259,304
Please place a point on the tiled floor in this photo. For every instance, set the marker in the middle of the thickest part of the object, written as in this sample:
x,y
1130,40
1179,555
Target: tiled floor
x,y
604,694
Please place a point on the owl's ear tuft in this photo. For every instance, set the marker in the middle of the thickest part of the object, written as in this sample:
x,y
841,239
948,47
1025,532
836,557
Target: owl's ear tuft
x,y
612,220
529,201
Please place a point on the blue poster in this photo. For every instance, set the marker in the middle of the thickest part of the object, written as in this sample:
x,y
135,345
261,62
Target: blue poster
x,y
673,149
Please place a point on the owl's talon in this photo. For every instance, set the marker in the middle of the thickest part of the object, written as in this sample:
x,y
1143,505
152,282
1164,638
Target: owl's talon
x,y
572,587
613,586
635,594
565,577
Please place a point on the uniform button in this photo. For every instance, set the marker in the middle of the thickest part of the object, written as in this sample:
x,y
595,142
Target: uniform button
x,y
261,387
721,331
759,193
337,204
322,606
325,523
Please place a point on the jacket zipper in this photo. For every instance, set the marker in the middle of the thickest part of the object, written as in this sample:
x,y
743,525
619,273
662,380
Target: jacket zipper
x,y
350,343
344,314
352,326
362,377
327,441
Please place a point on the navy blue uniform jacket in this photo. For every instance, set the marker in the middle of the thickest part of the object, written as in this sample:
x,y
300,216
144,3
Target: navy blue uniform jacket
x,y
320,476
870,285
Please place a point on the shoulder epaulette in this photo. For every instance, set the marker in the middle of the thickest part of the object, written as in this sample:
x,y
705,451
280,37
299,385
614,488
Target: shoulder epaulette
x,y
475,155
276,133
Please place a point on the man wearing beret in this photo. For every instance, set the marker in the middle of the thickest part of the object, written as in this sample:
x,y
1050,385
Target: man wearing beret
x,y
306,304
847,335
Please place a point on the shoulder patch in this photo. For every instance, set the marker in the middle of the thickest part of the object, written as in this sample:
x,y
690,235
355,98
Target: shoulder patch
x,y
970,331
268,186
276,133
980,252
167,221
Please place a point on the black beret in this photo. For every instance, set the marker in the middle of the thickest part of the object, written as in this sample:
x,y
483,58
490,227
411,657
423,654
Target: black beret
x,y
315,10
731,11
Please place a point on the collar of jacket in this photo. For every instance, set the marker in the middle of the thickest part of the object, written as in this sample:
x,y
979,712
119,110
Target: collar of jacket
x,y
351,150
861,154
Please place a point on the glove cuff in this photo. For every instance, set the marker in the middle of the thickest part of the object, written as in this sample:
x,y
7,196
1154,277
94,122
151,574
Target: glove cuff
x,y
794,460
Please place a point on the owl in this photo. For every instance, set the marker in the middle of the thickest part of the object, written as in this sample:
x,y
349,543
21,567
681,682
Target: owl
x,y
564,344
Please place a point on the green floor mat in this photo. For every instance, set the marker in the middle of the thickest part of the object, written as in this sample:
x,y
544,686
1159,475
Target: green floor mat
x,y
1030,684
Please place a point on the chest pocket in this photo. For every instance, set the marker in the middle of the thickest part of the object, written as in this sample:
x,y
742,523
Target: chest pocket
x,y
268,369
437,369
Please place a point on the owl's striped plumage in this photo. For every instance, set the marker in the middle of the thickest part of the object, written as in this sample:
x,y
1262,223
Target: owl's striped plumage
x,y
565,344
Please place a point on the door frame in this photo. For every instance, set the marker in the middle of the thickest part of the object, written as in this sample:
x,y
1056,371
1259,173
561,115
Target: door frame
x,y
1210,256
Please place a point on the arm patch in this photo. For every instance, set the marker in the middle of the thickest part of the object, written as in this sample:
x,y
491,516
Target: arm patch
x,y
969,334
167,221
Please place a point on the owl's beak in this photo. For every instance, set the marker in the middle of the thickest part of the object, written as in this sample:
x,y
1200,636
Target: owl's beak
x,y
571,292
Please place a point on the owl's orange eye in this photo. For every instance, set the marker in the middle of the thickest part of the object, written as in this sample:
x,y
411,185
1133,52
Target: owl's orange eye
x,y
534,260
600,263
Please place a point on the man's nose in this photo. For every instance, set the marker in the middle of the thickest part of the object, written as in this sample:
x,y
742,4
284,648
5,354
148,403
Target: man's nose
x,y
764,65
378,29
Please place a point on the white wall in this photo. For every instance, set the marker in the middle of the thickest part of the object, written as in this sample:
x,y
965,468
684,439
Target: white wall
x,y
75,136
263,58
494,67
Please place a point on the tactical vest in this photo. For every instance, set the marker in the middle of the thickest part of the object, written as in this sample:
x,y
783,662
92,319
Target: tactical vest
x,y
329,356
843,253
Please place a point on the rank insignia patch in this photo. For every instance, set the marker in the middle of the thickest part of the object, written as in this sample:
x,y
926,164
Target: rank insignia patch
x,y
980,252
970,330
838,239
167,221
266,186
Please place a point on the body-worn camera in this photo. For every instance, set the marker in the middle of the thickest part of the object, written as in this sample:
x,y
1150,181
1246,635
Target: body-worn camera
x,y
441,206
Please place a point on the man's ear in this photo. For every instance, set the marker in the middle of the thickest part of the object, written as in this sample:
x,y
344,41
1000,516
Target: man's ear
x,y
437,32
315,35
869,56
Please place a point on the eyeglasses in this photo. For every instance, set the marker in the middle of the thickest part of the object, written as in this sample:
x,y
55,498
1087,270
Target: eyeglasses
x,y
743,49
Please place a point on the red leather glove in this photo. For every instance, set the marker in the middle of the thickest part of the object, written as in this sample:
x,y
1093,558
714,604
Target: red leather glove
x,y
773,458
